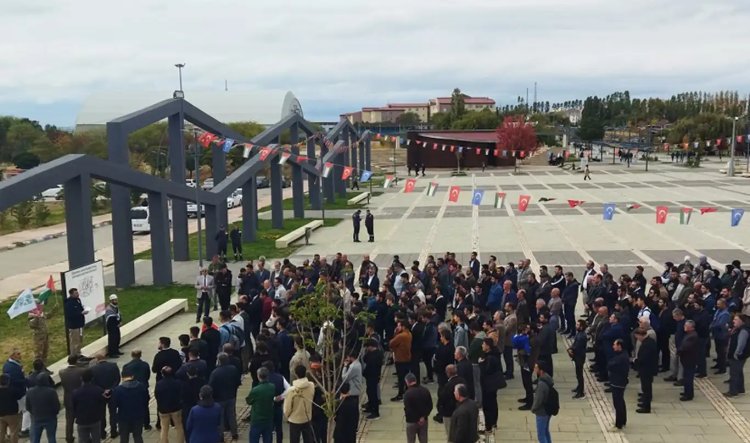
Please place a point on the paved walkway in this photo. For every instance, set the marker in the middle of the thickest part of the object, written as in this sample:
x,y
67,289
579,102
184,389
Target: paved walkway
x,y
415,225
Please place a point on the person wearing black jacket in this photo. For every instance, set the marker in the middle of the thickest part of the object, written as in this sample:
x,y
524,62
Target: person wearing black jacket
x,y
688,353
75,320
223,284
165,357
142,373
372,361
198,344
647,364
347,417
547,339
666,329
618,367
569,299
417,338
702,319
446,403
212,337
465,420
225,380
464,369
127,399
577,353
168,393
9,408
236,236
443,357
88,408
221,242
417,408
491,376
43,405
107,377
190,394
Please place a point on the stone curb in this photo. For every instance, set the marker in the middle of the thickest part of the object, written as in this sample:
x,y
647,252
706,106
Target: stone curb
x,y
46,237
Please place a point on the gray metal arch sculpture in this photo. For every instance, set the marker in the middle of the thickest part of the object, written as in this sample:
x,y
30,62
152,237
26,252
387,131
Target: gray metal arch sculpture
x,y
75,172
347,146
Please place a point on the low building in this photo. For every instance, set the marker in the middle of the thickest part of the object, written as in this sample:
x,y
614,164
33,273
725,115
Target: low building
x,y
444,104
391,112
443,149
421,109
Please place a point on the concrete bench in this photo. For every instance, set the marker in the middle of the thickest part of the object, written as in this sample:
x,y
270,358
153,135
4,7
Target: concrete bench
x,y
129,331
288,239
358,199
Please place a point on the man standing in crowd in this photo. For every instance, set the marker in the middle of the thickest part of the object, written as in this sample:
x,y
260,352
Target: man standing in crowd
x,y
107,377
112,319
128,399
236,236
142,373
75,320
618,367
225,380
166,356
43,405
689,354
356,220
40,334
70,380
647,364
373,363
400,345
464,427
168,392
89,403
739,350
221,242
542,398
298,406
223,284
417,408
370,225
204,286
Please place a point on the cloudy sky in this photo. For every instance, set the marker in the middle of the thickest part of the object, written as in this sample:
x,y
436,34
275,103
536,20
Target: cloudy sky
x,y
340,55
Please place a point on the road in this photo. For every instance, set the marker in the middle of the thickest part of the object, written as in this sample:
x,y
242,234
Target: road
x,y
31,265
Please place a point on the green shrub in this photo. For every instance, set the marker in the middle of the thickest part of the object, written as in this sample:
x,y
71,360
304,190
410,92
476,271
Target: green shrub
x,y
23,212
41,213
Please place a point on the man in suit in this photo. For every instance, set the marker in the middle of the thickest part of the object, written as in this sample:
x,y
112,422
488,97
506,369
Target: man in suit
x,y
141,373
547,340
107,377
474,265
70,379
372,282
647,364
688,353
570,299
204,286
262,273
446,402
464,368
510,324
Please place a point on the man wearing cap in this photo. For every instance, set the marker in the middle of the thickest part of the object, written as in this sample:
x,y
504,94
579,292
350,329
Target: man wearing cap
x,y
356,220
221,242
112,319
370,225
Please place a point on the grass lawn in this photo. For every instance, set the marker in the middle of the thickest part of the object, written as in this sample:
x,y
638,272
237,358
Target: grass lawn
x,y
134,302
265,243
340,203
56,216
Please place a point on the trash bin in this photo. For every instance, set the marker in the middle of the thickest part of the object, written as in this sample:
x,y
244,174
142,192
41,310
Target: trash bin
x,y
308,233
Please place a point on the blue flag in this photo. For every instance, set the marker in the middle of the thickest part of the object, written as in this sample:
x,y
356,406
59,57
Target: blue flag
x,y
228,143
476,198
365,176
737,214
608,211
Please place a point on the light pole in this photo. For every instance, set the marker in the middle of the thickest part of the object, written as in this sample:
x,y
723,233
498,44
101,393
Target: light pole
x,y
730,168
179,67
198,212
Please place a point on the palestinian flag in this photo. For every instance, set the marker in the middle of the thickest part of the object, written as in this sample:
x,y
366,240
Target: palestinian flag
x,y
388,181
685,214
499,200
284,157
432,189
707,210
632,206
327,169
246,152
48,290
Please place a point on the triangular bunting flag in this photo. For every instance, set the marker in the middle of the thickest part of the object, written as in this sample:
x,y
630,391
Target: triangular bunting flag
x,y
575,203
523,202
387,182
264,153
685,214
633,206
227,146
206,138
411,183
499,200
708,210
476,197
661,214
546,199
346,173
608,211
246,152
432,189
453,193
284,157
737,214
327,169
365,176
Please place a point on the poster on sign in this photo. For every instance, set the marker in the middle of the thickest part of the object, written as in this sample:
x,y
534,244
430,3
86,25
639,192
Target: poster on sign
x,y
89,280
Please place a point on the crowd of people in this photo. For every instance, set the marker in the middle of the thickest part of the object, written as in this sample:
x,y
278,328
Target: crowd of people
x,y
466,328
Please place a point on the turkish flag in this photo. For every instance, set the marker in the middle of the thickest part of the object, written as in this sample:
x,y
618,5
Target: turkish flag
x,y
522,154
566,154
453,193
479,151
661,214
497,153
206,138
410,184
707,210
523,202
346,173
264,153
574,203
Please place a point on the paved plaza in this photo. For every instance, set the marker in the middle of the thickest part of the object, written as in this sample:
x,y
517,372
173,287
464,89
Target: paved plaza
x,y
414,225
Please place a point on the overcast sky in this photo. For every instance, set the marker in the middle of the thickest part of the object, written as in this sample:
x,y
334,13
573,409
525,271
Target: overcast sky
x,y
338,55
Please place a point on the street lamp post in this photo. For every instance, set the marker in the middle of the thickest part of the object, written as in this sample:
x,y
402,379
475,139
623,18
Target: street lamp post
x,y
179,67
730,168
198,212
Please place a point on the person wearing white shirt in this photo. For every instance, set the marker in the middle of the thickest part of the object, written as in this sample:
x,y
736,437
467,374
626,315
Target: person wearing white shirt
x,y
204,286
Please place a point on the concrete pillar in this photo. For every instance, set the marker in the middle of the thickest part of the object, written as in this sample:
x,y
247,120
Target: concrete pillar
x,y
250,210
177,175
212,227
80,231
219,173
277,196
122,233
313,182
161,259
368,154
361,149
355,165
298,191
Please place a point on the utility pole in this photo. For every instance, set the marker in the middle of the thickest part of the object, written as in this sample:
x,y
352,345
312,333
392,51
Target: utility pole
x,y
534,96
730,169
179,67
527,100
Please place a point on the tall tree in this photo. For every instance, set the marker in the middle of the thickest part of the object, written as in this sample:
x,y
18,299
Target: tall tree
x,y
408,119
458,104
592,120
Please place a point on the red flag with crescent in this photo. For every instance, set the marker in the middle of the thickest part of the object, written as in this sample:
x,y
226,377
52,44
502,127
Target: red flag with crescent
x,y
708,210
264,153
453,193
346,173
574,203
523,202
206,138
661,214
410,184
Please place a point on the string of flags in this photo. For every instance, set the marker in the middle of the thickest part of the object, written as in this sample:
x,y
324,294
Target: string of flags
x,y
718,142
608,209
477,150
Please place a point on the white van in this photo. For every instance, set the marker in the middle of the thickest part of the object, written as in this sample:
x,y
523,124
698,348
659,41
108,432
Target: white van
x,y
140,220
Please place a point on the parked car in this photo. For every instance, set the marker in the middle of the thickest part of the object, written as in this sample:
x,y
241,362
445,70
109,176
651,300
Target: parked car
x,y
262,182
53,192
192,210
234,200
190,182
208,184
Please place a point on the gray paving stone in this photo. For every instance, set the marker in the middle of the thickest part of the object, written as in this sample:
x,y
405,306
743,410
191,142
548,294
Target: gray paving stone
x,y
662,256
533,187
564,258
727,255
618,257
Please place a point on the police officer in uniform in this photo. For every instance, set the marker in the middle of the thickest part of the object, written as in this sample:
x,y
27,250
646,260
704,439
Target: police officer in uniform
x,y
221,242
40,335
223,284
356,220
112,319
370,225
236,236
